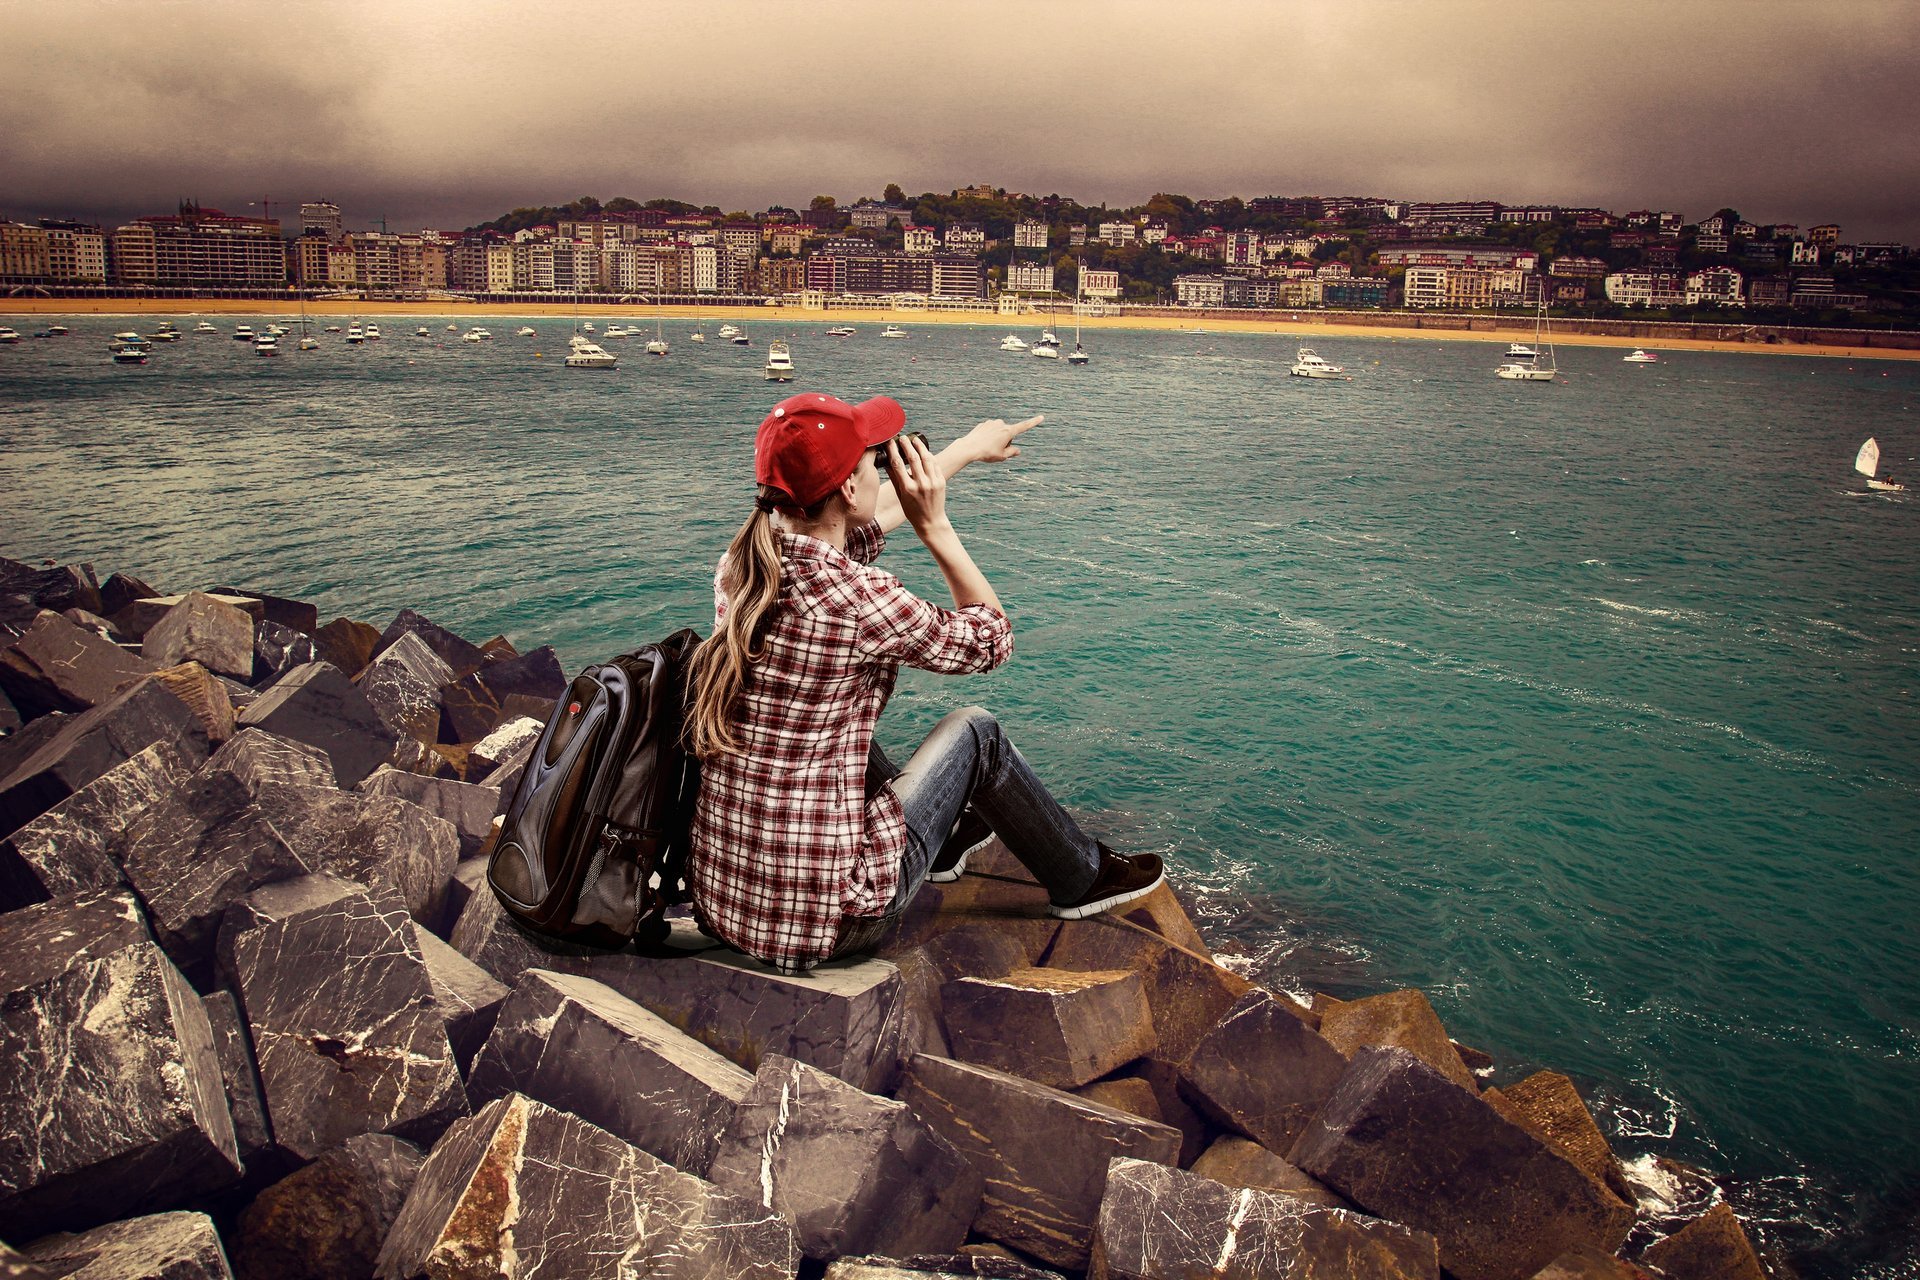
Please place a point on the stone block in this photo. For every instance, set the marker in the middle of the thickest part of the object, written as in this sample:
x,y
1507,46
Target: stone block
x,y
24,739
205,630
1130,1094
121,590
498,649
923,1027
1237,1162
371,839
204,695
346,644
851,1172
1164,915
111,1102
1711,1247
1017,907
298,615
1403,1019
317,705
278,649
513,742
163,1246
472,706
521,1189
468,997
1163,1077
1547,1105
193,853
344,1023
92,622
17,1266
1157,1223
326,1221
56,666
974,1262
1187,992
459,654
240,1079
1042,1153
143,615
468,806
503,775
1261,1071
1402,1141
282,900
524,706
981,951
469,878
257,757
54,587
1055,1026
403,685
584,1048
72,847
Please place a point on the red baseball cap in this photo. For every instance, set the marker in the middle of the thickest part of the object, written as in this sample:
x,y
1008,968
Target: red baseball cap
x,y
811,442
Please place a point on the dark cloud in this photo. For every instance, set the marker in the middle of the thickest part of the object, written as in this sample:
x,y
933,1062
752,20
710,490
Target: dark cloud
x,y
445,114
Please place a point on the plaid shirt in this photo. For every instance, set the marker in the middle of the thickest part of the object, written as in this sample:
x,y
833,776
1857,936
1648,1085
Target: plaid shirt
x,y
785,841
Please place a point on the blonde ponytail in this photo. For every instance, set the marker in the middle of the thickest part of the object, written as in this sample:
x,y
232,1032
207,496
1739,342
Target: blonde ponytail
x,y
720,665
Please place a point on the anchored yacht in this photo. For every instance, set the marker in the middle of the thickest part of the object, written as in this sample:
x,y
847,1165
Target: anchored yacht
x,y
779,362
1307,364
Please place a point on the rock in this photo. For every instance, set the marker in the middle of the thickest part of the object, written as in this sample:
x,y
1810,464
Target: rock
x,y
193,853
71,847
240,1078
346,644
1054,1026
10,721
1401,1140
1043,1153
111,1102
204,695
25,739
1262,1071
17,1266
344,1022
1237,1162
503,775
1187,992
1156,1223
92,622
469,878
1477,1060
471,707
1016,906
371,839
121,590
164,1246
403,685
1130,1094
467,996
588,1050
521,1189
282,900
297,615
853,1173
513,740
89,744
1711,1247
457,653
1196,1131
1161,913
57,666
327,1220
525,706
278,649
143,615
1548,1106
205,630
317,705
468,806
258,757
979,951
66,586
1400,1018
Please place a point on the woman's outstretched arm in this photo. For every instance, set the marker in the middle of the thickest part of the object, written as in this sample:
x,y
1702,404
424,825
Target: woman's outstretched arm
x,y
991,441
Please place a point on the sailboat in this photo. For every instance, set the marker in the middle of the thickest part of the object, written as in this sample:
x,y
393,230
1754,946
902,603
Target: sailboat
x,y
1538,367
1867,463
658,347
307,341
1078,355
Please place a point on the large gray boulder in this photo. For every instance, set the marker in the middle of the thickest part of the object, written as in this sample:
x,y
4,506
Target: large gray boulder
x,y
71,847
473,706
327,1220
317,705
205,630
88,744
403,686
162,1246
1262,1071
57,666
468,806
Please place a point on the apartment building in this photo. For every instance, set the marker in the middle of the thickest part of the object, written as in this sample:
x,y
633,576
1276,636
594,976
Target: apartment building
x,y
777,276
958,275
321,218
786,239
1425,287
199,247
1715,287
23,252
308,258
1647,289
964,237
76,251
1205,290
1030,234
920,240
1100,284
1030,277
1118,233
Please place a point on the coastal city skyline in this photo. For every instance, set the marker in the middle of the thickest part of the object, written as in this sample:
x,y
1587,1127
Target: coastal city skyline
x,y
435,116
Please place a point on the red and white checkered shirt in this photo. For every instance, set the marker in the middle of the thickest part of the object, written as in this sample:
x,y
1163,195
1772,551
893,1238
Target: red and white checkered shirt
x,y
785,842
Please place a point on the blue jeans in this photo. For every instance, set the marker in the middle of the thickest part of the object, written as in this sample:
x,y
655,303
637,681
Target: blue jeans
x,y
969,762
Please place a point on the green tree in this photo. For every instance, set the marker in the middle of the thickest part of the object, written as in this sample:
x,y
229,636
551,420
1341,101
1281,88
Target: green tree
x,y
823,202
893,194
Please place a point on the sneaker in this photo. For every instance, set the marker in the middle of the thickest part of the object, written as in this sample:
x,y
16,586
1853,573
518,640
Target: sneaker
x,y
1122,879
970,835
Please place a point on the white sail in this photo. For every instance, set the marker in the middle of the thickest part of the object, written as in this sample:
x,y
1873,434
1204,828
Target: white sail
x,y
1867,461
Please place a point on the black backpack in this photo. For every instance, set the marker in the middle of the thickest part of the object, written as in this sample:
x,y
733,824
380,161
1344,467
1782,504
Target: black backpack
x,y
593,848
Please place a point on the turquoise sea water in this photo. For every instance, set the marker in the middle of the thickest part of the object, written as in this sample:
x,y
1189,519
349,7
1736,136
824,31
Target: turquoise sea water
x,y
1591,708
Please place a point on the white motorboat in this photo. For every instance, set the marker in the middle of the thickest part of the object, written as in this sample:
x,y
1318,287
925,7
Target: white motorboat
x,y
128,340
696,336
472,335
1867,463
840,331
1046,336
588,354
1520,351
453,328
423,332
1538,367
163,334
779,362
1012,342
243,333
308,342
61,331
277,330
355,334
1637,356
728,331
1308,364
208,326
332,328
525,331
373,333
587,327
266,344
1048,348
129,355
616,331
893,331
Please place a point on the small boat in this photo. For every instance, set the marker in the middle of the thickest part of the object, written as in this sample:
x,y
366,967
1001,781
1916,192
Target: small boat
x,y
1538,367
728,331
615,331
1048,348
207,326
129,355
422,332
355,334
1078,355
525,331
266,345
742,340
128,340
1308,364
840,331
472,335
1046,336
277,330
1012,342
8,336
658,347
1867,463
61,331
308,342
373,333
696,336
779,362
1520,351
588,354
332,328
893,331
587,327
1637,356
243,333
167,335
453,328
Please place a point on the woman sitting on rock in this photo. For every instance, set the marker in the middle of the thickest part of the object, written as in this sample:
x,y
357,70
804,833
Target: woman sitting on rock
x,y
806,843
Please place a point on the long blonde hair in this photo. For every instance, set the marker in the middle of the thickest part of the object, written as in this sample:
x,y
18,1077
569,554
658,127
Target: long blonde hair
x,y
720,665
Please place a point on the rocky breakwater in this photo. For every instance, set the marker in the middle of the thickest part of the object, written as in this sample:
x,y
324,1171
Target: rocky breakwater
x,y
262,1018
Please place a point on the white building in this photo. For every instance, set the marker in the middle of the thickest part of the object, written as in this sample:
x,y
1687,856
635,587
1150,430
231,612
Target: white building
x,y
706,268
1030,277
965,237
1199,290
1100,284
1030,234
321,217
1117,233
1425,287
920,240
1646,289
1715,287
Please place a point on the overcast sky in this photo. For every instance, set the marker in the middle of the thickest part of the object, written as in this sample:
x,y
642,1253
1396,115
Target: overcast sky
x,y
444,115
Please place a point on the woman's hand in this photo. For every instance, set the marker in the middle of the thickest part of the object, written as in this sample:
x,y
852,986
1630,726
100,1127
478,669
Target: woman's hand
x,y
918,482
993,440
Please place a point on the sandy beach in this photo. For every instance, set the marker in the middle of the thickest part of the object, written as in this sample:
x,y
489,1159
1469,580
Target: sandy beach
x,y
1309,326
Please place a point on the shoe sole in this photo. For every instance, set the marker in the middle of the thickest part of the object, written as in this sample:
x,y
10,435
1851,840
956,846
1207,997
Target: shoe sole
x,y
1108,903
959,868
